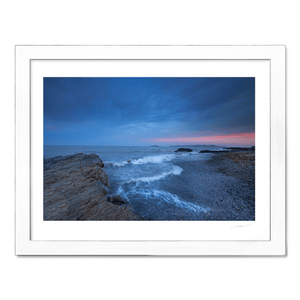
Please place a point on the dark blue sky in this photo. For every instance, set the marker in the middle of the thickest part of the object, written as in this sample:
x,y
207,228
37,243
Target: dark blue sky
x,y
145,111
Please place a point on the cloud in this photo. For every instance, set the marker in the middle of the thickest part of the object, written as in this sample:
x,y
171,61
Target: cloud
x,y
243,138
144,107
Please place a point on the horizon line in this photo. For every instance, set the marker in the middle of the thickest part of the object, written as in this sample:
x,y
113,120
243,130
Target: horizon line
x,y
179,145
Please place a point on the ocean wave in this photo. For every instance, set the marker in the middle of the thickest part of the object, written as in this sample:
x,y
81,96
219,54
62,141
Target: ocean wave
x,y
120,163
159,195
194,153
176,171
144,160
173,199
153,159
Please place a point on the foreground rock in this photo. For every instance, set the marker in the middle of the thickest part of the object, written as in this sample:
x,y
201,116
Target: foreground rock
x,y
184,150
75,188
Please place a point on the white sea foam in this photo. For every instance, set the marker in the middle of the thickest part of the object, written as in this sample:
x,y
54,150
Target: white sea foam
x,y
144,160
153,159
175,171
120,163
116,163
122,192
156,195
193,153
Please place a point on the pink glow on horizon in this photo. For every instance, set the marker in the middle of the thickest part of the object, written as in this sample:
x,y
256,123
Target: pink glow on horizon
x,y
245,138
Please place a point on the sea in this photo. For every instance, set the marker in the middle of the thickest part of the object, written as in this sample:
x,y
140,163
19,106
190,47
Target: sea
x,y
148,177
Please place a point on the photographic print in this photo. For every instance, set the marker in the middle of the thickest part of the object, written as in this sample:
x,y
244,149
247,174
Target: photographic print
x,y
152,148
174,150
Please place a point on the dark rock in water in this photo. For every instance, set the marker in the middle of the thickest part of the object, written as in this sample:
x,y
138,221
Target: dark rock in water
x,y
184,150
212,151
239,148
75,188
117,200
229,149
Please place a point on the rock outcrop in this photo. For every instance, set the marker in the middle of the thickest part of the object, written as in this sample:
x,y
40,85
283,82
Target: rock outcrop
x,y
184,150
229,150
241,148
212,151
75,188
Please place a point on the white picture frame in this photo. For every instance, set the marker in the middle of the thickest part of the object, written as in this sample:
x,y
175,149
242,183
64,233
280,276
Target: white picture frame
x,y
275,244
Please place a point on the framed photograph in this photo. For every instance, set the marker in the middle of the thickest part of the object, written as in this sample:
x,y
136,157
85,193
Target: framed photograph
x,y
150,150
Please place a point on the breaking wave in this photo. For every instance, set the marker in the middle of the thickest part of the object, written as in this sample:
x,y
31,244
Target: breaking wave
x,y
157,159
159,195
117,164
153,159
176,171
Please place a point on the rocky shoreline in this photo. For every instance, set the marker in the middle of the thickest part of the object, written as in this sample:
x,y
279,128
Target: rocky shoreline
x,y
241,166
225,184
76,187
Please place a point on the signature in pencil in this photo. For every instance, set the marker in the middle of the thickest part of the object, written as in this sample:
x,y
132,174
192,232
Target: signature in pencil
x,y
236,226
